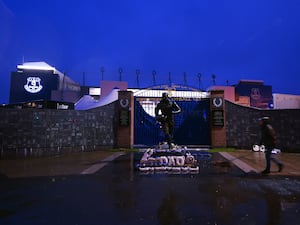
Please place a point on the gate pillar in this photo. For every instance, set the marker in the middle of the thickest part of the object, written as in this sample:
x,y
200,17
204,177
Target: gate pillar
x,y
218,118
125,113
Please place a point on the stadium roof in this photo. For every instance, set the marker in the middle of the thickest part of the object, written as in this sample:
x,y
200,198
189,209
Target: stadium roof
x,y
37,66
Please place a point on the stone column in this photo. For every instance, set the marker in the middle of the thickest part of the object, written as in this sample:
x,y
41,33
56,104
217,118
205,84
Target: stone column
x,y
125,113
218,119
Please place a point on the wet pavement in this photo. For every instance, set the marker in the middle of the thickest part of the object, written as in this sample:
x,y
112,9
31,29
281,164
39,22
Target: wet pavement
x,y
68,164
109,189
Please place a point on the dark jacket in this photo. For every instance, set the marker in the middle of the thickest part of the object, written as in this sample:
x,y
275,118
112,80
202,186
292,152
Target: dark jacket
x,y
268,136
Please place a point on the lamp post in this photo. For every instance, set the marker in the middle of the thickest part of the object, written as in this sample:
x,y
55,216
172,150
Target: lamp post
x,y
137,78
102,72
120,74
199,75
83,78
154,77
213,79
184,79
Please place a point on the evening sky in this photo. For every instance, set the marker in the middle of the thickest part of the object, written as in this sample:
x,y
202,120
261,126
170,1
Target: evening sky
x,y
233,39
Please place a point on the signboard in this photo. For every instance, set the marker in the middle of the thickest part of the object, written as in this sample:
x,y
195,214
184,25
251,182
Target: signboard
x,y
218,118
124,117
32,86
260,94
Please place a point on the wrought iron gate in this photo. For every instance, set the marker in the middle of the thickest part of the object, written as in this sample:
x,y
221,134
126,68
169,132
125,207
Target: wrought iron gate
x,y
192,125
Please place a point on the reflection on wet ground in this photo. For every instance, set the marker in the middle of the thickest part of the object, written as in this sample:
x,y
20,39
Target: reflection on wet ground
x,y
120,194
208,163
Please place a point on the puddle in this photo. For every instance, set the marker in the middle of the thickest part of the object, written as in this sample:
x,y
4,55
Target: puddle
x,y
208,164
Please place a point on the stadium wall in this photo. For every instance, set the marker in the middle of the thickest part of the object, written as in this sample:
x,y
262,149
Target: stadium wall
x,y
242,128
41,132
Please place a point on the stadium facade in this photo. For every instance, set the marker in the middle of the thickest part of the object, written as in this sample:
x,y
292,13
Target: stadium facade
x,y
37,84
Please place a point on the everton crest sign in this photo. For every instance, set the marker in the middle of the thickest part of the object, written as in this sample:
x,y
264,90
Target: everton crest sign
x,y
33,85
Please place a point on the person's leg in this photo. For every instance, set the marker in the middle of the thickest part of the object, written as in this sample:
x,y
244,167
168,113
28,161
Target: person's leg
x,y
274,158
268,163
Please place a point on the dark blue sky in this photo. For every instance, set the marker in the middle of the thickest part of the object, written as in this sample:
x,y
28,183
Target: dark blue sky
x,y
233,39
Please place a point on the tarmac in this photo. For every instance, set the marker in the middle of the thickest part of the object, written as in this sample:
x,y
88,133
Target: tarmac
x,y
57,165
90,162
250,161
103,187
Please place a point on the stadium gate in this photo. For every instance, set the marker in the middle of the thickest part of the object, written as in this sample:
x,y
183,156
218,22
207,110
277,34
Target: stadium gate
x,y
192,126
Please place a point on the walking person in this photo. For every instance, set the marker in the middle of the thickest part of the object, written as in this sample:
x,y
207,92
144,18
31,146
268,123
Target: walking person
x,y
268,139
164,113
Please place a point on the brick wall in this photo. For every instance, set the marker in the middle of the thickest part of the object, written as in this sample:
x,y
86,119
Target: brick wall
x,y
242,129
38,132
